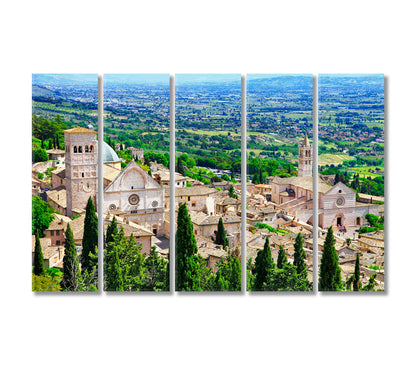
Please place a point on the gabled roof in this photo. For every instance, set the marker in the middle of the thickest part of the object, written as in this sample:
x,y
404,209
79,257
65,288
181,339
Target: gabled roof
x,y
338,186
130,166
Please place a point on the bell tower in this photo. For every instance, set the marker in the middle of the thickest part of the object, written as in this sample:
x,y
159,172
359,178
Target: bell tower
x,y
81,168
305,159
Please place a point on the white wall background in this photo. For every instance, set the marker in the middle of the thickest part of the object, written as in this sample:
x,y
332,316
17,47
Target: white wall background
x,y
158,334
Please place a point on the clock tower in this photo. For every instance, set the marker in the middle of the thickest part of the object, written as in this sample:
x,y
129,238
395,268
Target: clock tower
x,y
305,159
81,168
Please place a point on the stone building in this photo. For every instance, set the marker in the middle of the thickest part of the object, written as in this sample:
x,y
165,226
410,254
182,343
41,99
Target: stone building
x,y
305,159
138,196
337,204
197,198
81,168
137,153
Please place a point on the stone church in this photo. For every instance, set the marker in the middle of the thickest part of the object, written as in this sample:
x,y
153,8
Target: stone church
x,y
138,196
131,193
337,204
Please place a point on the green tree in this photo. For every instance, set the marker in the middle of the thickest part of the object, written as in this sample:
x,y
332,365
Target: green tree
x,y
71,264
282,258
263,265
155,271
228,277
39,155
250,274
329,272
356,282
371,283
112,231
180,168
113,278
188,272
42,215
166,283
221,237
38,263
232,193
299,257
90,237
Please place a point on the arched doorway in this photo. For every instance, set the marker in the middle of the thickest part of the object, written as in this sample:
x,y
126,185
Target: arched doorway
x,y
340,220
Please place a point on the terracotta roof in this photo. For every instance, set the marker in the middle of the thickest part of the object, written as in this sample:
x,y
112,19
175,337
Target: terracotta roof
x,y
55,151
59,222
201,219
58,196
227,201
80,129
44,243
303,182
194,191
110,173
59,172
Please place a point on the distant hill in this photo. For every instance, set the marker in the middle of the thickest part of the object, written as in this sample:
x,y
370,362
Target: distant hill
x,y
38,91
280,82
64,79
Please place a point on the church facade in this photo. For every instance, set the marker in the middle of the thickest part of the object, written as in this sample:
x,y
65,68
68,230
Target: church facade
x,y
138,197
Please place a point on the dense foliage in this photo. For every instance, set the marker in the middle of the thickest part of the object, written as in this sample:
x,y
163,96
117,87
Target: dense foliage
x,y
126,268
265,275
42,215
192,272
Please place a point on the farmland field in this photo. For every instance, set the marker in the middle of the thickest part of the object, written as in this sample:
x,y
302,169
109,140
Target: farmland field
x,y
334,159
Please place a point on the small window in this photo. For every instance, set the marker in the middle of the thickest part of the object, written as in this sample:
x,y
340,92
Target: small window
x,y
75,149
189,198
57,232
339,191
58,242
80,149
86,149
82,175
91,149
52,233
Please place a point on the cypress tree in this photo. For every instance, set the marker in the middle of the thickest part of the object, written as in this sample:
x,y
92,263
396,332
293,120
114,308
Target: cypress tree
x,y
282,258
221,237
90,238
180,167
299,257
166,282
114,277
38,263
329,272
356,281
71,266
112,231
188,272
262,267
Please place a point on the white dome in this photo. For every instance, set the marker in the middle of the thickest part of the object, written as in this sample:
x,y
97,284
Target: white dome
x,y
109,155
